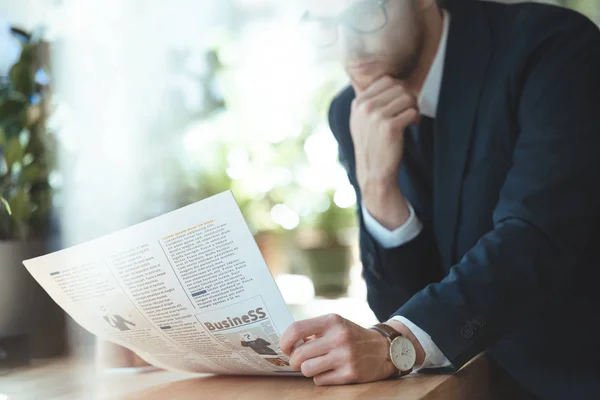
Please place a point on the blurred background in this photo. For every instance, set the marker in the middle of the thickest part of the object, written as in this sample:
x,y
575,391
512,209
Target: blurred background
x,y
113,112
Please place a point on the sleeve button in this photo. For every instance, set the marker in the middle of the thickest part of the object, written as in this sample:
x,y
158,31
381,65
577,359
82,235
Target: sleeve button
x,y
467,332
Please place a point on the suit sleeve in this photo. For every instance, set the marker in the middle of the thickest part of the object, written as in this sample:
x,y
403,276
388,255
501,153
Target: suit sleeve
x,y
548,206
414,264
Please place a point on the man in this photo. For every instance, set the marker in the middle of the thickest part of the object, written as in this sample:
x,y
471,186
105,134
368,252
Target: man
x,y
257,344
471,134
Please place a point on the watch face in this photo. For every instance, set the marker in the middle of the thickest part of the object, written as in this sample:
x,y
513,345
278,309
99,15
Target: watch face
x,y
403,354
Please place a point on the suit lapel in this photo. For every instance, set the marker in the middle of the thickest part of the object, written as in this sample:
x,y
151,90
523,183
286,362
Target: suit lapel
x,y
467,58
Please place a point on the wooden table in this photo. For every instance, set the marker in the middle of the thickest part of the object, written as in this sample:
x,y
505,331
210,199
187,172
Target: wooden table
x,y
65,379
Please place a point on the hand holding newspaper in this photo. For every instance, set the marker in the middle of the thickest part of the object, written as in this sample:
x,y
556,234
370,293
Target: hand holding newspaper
x,y
187,291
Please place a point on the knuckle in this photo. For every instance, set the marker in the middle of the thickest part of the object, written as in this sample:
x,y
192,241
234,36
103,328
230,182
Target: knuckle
x,y
338,341
343,338
346,335
408,99
306,369
352,376
294,363
412,114
368,106
387,80
405,118
334,319
297,357
293,330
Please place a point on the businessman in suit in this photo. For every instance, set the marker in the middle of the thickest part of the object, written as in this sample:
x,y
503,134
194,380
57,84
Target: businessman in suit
x,y
471,134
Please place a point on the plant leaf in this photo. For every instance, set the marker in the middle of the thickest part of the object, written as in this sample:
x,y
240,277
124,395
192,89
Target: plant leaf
x,y
30,174
6,205
5,91
13,152
22,77
2,137
12,114
28,54
12,107
21,206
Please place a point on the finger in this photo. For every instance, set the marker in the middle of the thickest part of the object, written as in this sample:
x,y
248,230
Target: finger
x,y
340,376
301,329
398,105
316,366
405,118
385,98
315,348
377,87
330,378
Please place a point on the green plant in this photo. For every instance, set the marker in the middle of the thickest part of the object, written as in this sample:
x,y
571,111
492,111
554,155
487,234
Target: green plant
x,y
277,156
333,222
26,148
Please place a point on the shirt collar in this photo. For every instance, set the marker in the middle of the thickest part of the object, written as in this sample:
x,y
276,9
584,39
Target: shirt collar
x,y
430,93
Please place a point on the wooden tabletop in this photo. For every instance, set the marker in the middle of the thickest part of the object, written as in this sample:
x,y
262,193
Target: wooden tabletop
x,y
64,379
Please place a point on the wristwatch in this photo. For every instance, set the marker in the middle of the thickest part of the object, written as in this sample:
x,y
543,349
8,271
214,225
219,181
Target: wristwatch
x,y
402,352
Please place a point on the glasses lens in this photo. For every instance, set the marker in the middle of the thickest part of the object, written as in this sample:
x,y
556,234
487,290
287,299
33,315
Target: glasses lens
x,y
320,33
366,17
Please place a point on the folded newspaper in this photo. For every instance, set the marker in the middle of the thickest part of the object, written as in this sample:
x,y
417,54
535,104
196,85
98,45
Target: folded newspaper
x,y
187,291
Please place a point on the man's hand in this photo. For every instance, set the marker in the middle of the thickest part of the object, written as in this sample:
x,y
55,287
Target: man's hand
x,y
337,351
379,116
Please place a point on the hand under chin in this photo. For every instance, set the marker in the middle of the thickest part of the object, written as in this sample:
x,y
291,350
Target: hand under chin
x,y
363,81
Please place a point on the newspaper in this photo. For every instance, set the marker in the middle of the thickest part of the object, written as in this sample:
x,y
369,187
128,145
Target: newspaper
x,y
187,291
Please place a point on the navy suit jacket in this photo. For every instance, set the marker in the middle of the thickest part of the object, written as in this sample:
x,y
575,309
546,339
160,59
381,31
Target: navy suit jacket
x,y
508,261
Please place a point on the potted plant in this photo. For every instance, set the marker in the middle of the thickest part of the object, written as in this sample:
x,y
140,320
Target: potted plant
x,y
326,249
278,165
26,159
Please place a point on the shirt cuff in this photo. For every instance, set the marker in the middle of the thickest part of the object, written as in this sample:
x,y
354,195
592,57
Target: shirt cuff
x,y
390,239
434,358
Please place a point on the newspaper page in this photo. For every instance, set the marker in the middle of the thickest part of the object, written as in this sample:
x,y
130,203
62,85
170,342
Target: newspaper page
x,y
187,291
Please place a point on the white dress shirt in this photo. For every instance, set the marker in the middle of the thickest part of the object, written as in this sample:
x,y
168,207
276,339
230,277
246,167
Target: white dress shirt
x,y
428,102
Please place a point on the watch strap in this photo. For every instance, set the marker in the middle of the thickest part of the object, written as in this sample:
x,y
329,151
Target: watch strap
x,y
391,334
387,331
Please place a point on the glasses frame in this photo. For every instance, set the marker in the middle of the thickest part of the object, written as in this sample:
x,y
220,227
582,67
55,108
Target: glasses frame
x,y
342,20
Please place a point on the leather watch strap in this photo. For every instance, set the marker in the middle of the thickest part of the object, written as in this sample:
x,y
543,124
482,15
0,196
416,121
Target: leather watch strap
x,y
387,331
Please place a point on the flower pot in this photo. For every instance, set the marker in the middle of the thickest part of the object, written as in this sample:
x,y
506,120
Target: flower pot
x,y
26,311
269,245
329,269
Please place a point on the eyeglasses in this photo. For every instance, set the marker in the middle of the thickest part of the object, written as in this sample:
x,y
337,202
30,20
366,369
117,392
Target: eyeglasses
x,y
364,18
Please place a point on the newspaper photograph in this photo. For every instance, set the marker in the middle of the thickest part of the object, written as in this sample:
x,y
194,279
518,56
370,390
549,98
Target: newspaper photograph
x,y
187,291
